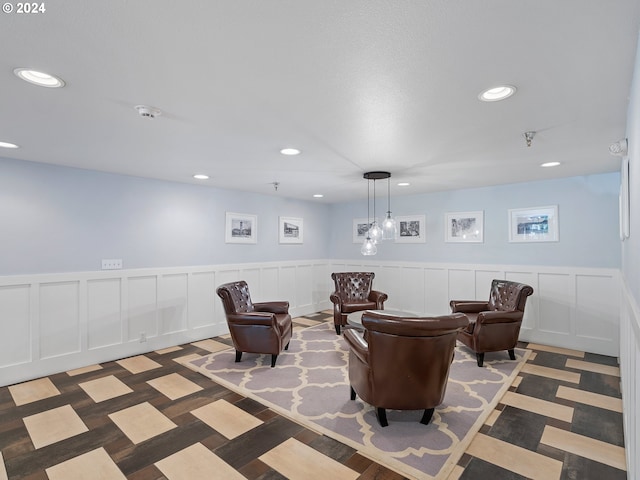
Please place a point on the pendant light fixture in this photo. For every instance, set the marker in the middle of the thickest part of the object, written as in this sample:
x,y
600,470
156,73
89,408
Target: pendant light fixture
x,y
368,246
375,233
389,228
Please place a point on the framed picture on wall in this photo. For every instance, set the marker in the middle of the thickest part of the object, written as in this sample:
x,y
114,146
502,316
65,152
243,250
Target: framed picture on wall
x,y
624,199
464,227
536,224
241,228
360,229
290,230
411,229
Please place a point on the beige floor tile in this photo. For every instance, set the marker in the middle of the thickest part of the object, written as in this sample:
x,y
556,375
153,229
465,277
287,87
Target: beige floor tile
x,y
571,377
593,367
597,450
532,356
93,465
561,351
138,364
168,350
174,386
539,406
3,470
493,416
517,381
297,461
54,425
226,336
196,462
105,388
226,418
186,359
87,369
456,473
141,422
211,345
589,398
517,459
33,391
306,321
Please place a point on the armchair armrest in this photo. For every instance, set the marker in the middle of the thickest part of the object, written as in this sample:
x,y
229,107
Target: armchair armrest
x,y
272,307
358,344
378,297
335,298
252,318
468,306
496,316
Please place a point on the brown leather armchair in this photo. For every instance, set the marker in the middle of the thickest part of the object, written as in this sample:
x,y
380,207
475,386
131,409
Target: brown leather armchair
x,y
402,363
494,325
255,327
352,294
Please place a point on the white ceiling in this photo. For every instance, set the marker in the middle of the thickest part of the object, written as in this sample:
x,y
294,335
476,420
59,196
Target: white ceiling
x,y
356,85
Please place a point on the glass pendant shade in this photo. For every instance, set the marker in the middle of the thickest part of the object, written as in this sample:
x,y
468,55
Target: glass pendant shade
x,y
389,228
368,247
375,232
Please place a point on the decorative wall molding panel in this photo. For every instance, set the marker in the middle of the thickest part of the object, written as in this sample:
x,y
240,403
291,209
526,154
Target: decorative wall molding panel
x,y
629,372
53,323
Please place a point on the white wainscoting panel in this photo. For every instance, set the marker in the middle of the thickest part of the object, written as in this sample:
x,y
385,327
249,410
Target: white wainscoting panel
x,y
104,308
59,314
630,379
57,322
15,318
63,321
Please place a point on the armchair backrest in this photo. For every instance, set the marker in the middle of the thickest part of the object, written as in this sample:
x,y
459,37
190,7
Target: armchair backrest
x,y
235,297
508,296
411,355
353,286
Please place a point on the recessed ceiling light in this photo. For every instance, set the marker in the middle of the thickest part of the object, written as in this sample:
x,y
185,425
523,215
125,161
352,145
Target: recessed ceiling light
x,y
495,94
39,78
318,195
404,184
201,176
550,164
8,145
290,151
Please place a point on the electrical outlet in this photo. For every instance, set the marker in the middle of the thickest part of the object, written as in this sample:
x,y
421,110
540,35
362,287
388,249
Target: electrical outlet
x,y
112,264
143,337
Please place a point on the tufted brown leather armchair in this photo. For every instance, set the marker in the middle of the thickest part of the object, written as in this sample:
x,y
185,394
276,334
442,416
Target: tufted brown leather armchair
x,y
352,294
494,325
402,363
255,327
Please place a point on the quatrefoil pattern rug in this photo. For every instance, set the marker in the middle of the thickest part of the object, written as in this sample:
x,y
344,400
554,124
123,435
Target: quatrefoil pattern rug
x,y
310,385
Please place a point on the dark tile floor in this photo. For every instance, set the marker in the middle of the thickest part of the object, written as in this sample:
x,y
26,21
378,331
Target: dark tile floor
x,y
107,422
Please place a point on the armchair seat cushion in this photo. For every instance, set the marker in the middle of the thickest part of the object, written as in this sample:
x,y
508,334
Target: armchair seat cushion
x,y
358,306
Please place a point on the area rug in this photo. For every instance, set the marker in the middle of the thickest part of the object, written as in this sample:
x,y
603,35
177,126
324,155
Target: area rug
x,y
310,386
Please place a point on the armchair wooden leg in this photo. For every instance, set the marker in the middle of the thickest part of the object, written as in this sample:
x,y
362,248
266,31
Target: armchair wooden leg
x,y
381,415
480,358
287,346
273,359
512,354
337,329
238,355
426,417
353,393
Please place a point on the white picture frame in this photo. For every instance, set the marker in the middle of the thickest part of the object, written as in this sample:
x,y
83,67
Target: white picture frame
x,y
535,224
290,230
241,228
411,229
360,229
464,227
